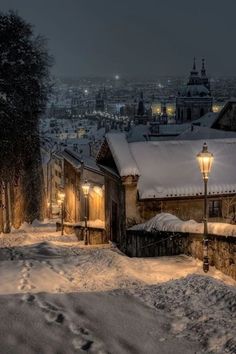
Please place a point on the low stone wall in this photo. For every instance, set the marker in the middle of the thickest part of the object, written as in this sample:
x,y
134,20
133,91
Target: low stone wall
x,y
95,235
222,249
222,252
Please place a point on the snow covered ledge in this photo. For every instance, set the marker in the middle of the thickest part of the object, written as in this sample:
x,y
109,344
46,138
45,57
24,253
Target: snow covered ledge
x,y
166,235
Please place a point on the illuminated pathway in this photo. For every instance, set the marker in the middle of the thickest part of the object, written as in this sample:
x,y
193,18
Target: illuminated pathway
x,y
60,297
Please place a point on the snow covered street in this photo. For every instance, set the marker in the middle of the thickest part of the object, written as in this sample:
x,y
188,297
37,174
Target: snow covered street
x,y
60,297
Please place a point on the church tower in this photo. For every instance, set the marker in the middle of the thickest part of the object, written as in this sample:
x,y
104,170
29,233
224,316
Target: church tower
x,y
194,78
194,100
204,77
100,103
141,107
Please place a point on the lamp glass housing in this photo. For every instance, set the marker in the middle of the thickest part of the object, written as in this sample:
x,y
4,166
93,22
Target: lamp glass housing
x,y
85,188
61,195
205,160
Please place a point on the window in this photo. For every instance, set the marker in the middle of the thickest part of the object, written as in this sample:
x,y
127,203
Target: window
x,y
189,114
215,208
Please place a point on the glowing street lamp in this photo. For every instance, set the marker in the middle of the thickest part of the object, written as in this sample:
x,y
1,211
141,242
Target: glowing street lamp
x,y
85,188
205,161
61,200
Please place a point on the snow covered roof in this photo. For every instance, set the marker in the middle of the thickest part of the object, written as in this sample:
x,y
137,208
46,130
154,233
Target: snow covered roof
x,y
207,120
76,161
72,158
122,155
169,169
197,132
175,129
137,132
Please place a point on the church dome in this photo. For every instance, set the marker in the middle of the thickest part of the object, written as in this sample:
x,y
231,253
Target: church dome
x,y
195,90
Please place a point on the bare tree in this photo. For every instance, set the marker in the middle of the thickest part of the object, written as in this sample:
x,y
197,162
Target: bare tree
x,y
229,209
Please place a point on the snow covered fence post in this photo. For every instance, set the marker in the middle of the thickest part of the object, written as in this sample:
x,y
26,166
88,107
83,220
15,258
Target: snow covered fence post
x,y
205,160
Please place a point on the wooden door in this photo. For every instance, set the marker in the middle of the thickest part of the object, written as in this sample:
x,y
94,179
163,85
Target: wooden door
x,y
114,222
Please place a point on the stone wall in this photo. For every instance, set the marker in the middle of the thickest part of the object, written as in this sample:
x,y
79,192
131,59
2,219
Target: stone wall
x,y
185,208
222,250
95,235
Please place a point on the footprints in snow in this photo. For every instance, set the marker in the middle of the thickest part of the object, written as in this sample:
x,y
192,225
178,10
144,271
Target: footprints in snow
x,y
55,316
25,276
82,340
62,273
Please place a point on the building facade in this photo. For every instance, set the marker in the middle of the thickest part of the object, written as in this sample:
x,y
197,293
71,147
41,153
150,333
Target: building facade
x,y
153,177
226,119
76,172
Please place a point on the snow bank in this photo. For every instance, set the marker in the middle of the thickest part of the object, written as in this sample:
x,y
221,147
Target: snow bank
x,y
203,310
50,299
171,223
46,225
100,224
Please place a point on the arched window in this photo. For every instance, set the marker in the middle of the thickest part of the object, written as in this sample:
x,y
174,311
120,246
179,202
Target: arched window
x,y
178,116
189,114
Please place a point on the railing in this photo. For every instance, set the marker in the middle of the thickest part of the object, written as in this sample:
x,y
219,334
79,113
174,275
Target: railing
x,y
151,244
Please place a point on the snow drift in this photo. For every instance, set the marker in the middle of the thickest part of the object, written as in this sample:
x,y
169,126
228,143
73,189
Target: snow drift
x,y
203,310
171,223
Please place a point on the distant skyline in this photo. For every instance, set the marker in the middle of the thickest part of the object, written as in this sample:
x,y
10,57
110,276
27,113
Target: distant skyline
x,y
134,38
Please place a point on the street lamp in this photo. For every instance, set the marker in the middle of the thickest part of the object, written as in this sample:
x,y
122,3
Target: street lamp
x,y
61,199
205,161
85,189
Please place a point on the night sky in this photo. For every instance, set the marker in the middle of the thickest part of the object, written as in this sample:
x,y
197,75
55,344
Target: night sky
x,y
143,38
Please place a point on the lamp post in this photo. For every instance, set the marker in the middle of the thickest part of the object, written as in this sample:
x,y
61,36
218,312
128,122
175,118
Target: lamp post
x,y
85,189
205,161
61,200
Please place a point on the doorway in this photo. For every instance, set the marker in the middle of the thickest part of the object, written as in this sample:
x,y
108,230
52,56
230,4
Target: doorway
x,y
114,221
